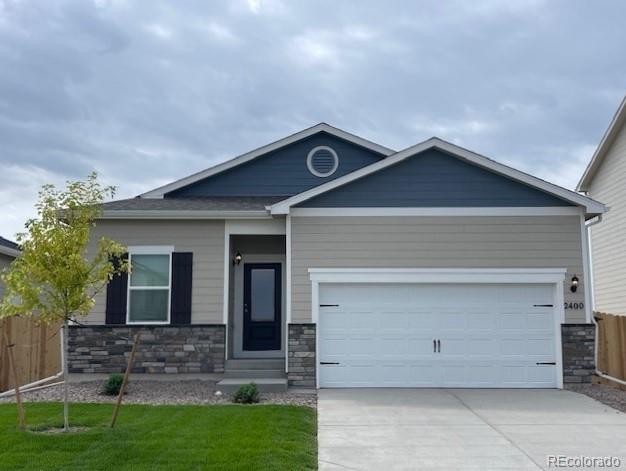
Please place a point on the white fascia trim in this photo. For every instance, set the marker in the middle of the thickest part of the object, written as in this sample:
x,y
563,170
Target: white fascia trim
x,y
185,214
474,211
607,139
159,192
151,249
437,275
590,205
9,251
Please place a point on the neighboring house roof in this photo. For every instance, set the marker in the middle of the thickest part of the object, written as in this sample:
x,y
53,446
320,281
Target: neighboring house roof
x,y
322,127
591,206
619,119
205,207
9,248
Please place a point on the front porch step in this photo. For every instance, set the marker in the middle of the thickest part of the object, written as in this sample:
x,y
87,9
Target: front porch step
x,y
264,385
253,373
256,364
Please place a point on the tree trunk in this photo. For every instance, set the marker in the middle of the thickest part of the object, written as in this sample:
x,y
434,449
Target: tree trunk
x,y
64,352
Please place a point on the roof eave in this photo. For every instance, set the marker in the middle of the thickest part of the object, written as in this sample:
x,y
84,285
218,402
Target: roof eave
x,y
184,214
9,251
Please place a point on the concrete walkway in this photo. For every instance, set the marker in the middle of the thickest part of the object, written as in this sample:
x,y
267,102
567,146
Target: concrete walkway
x,y
463,429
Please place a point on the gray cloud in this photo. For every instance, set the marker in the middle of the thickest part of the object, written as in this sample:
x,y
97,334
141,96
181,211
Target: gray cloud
x,y
147,92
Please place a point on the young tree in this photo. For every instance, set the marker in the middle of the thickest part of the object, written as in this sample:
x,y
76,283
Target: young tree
x,y
53,280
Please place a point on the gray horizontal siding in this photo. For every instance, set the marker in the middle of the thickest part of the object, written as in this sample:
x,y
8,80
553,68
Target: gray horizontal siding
x,y
608,241
433,242
433,178
204,238
5,261
281,173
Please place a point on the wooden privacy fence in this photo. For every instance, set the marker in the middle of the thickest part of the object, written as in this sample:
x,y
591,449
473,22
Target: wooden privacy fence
x,y
37,351
611,344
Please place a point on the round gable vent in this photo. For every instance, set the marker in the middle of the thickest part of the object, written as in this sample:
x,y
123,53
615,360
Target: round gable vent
x,y
322,161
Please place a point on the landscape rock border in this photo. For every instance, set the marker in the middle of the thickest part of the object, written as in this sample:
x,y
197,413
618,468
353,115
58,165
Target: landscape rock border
x,y
154,392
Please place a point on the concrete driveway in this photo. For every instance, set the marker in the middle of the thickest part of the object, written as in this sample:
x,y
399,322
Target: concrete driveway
x,y
463,429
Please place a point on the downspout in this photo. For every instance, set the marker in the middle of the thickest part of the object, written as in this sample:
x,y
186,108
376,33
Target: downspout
x,y
599,373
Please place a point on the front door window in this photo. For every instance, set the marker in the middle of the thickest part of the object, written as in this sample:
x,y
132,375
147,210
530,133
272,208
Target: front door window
x,y
262,295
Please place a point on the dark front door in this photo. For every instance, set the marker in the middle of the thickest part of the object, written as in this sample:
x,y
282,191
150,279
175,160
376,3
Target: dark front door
x,y
262,296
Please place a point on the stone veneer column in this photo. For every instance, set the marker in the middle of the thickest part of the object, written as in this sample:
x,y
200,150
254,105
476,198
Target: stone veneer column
x,y
301,346
578,342
162,348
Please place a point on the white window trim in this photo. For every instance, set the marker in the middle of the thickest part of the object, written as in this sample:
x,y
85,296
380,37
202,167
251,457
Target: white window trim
x,y
553,276
150,250
309,161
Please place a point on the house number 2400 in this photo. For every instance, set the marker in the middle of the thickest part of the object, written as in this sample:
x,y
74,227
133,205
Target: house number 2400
x,y
574,305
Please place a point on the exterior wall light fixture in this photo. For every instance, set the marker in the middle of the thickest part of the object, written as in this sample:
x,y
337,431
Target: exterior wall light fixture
x,y
574,286
237,259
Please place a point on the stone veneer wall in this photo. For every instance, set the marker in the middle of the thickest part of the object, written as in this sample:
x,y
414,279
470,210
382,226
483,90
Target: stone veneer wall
x,y
301,348
162,349
578,342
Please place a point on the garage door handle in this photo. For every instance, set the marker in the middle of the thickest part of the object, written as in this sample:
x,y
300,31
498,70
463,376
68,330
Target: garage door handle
x,y
434,346
329,305
546,363
543,305
438,346
329,362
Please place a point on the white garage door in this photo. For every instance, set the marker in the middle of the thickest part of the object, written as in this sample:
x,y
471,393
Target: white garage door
x,y
408,335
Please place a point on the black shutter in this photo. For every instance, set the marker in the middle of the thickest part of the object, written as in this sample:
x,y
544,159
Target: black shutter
x,y
182,269
116,297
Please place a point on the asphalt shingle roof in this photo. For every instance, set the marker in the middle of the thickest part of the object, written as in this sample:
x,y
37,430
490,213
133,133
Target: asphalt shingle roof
x,y
231,203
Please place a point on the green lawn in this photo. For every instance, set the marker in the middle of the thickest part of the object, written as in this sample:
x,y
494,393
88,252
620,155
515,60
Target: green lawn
x,y
162,437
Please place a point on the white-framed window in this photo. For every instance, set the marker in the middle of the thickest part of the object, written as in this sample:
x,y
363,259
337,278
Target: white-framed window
x,y
149,285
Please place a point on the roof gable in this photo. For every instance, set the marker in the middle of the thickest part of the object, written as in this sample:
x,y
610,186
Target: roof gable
x,y
359,142
434,178
281,172
615,127
591,207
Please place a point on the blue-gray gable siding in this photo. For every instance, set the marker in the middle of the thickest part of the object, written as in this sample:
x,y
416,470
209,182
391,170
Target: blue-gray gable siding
x,y
282,172
433,179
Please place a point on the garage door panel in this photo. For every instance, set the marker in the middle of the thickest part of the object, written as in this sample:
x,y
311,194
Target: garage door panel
x,y
540,346
511,320
479,345
382,336
539,321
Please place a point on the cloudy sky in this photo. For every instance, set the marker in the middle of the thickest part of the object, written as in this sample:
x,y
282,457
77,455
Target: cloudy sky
x,y
148,92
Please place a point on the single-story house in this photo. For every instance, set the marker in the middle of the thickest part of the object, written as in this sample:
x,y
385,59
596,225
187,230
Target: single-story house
x,y
9,250
326,260
605,179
